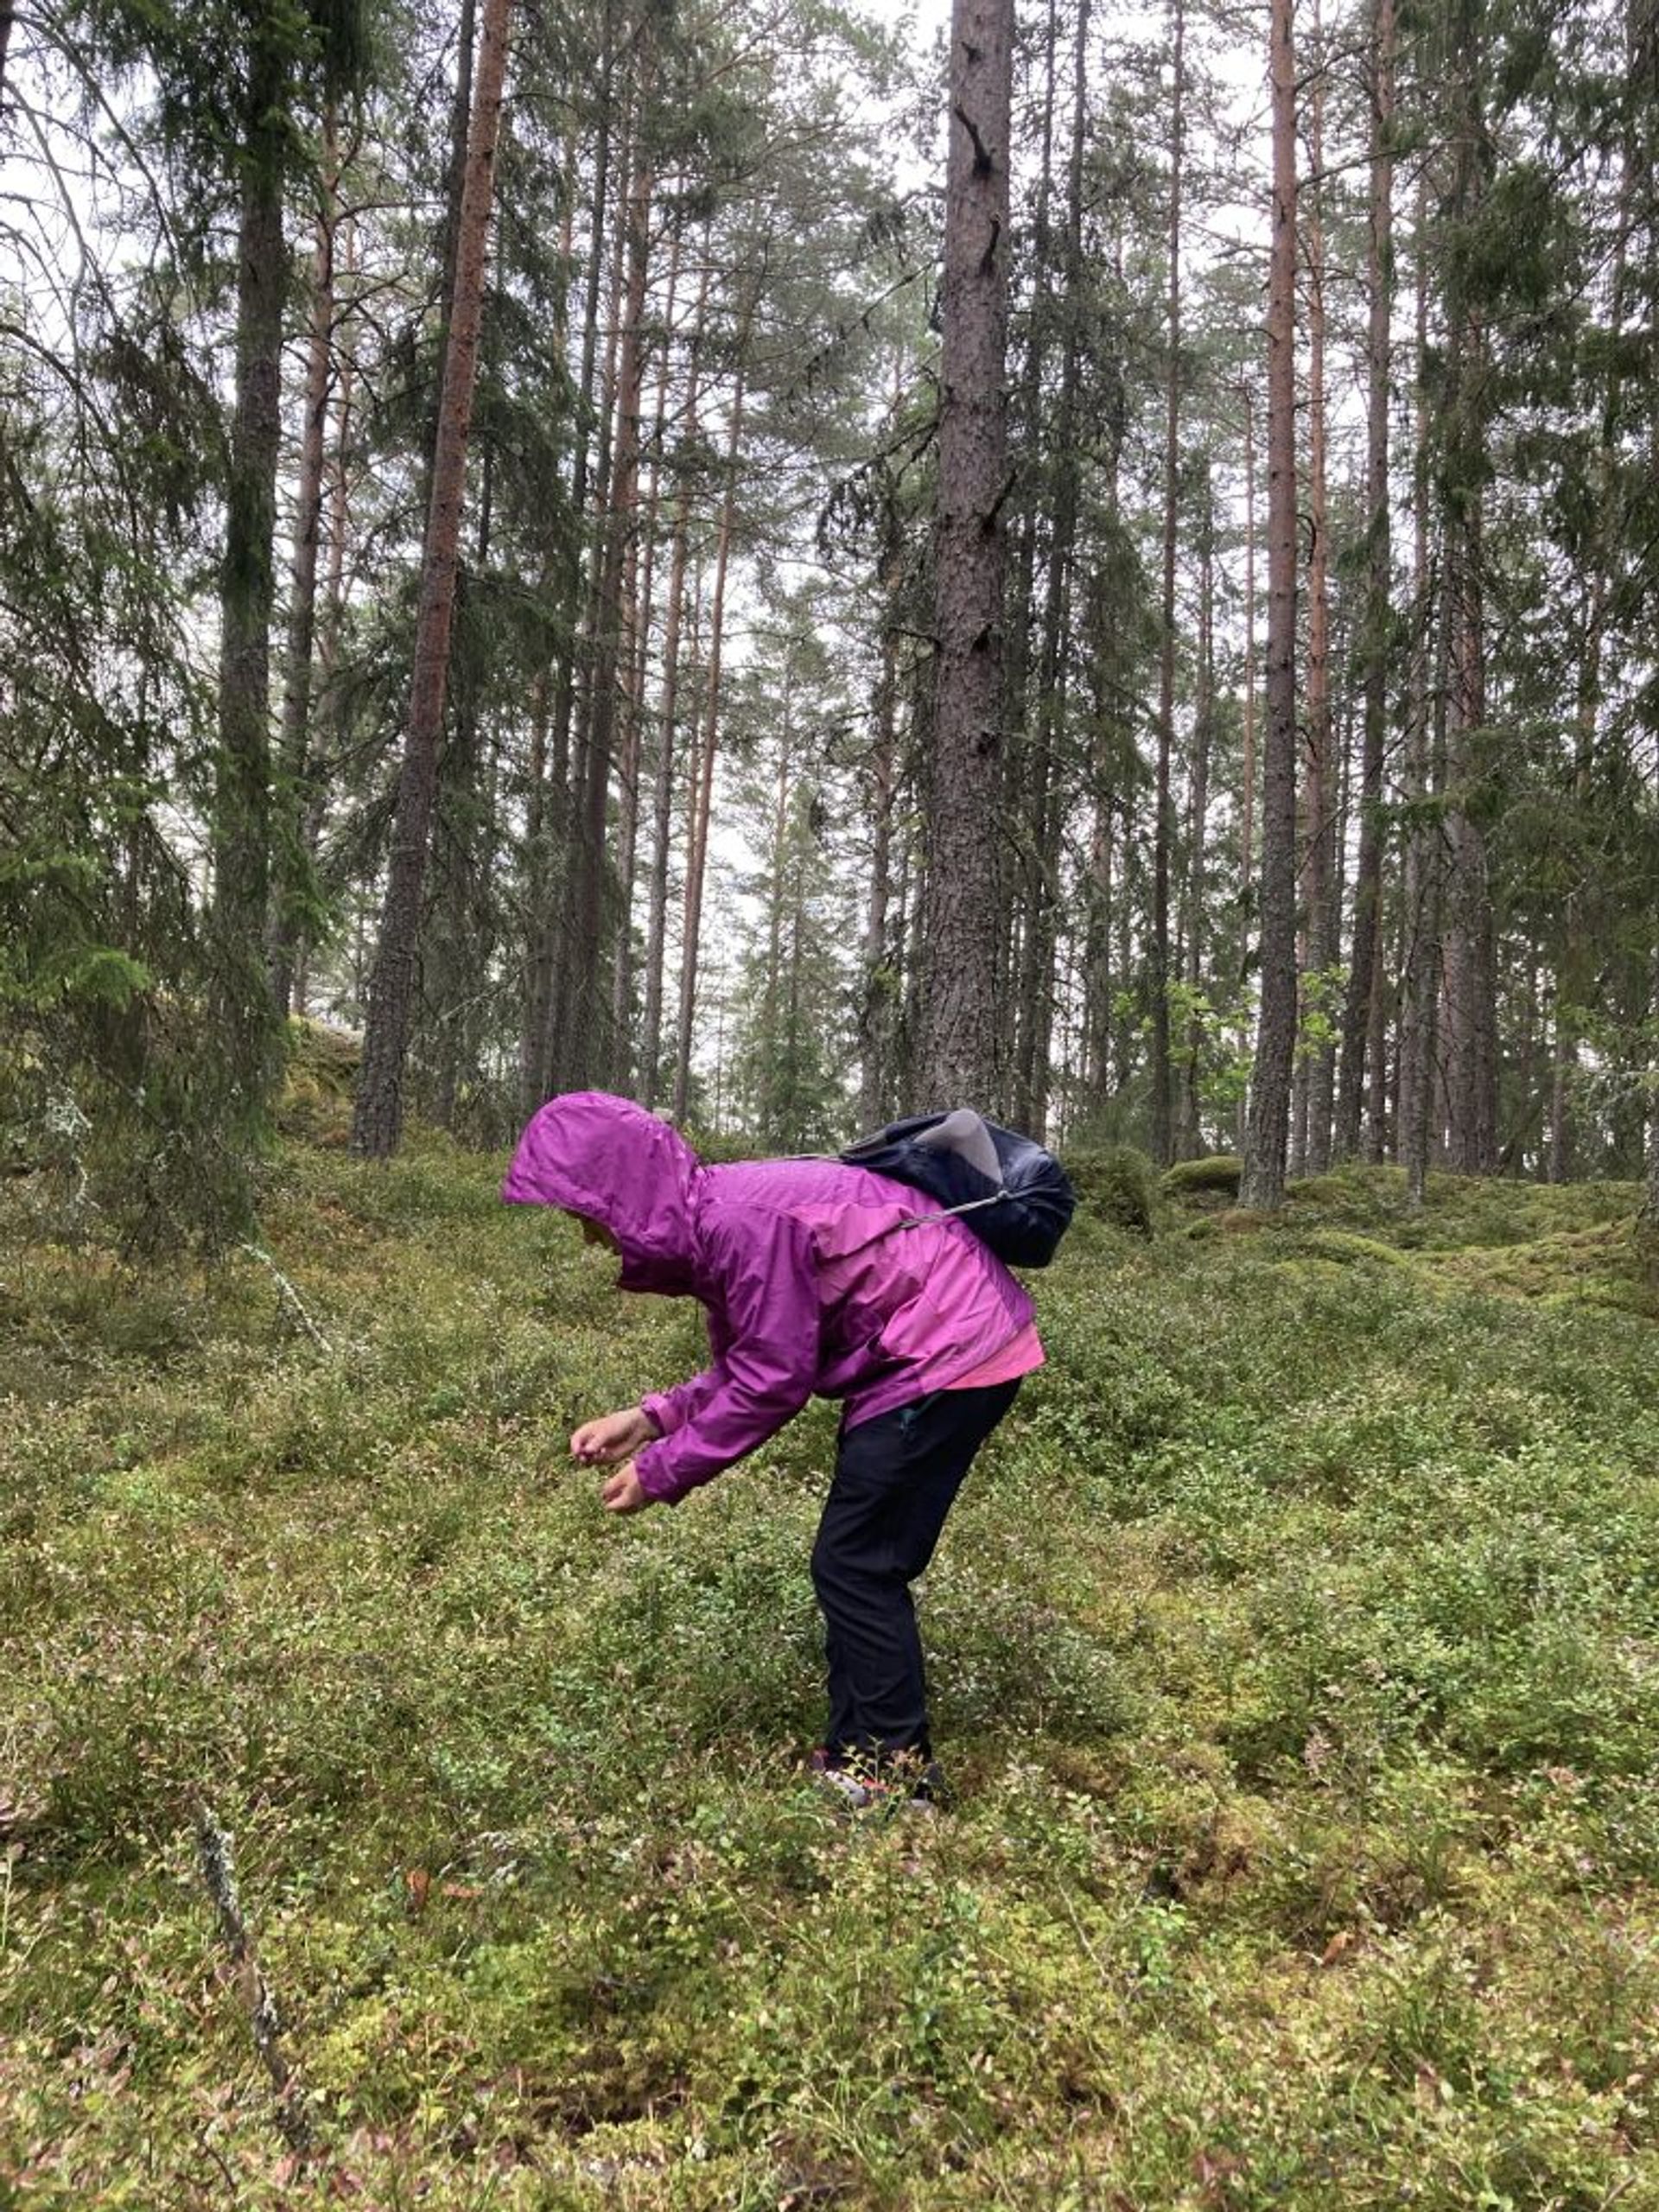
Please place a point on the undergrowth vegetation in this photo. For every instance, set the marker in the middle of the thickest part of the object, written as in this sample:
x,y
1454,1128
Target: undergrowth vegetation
x,y
1296,1657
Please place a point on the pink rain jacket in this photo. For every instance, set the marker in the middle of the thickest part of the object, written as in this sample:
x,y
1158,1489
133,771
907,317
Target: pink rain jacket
x,y
808,1283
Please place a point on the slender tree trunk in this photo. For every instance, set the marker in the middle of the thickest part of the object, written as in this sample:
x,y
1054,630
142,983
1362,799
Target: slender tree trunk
x,y
668,718
959,1061
1420,979
1359,1032
547,932
1263,1180
1469,992
1163,835
325,717
878,1006
703,788
294,755
378,1123
586,1053
1189,1135
246,1018
1321,805
1247,770
622,998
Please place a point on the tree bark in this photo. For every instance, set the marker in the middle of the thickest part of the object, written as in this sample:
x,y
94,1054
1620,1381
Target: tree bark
x,y
703,787
1263,1182
585,1053
1359,1047
1321,791
1188,1133
1419,972
245,1016
378,1123
668,721
548,930
1163,835
294,754
959,1060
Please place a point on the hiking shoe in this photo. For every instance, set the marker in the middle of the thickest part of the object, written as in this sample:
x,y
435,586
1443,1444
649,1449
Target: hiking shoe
x,y
859,1786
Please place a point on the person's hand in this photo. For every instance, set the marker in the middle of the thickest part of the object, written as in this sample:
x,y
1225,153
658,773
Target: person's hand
x,y
622,1492
602,1443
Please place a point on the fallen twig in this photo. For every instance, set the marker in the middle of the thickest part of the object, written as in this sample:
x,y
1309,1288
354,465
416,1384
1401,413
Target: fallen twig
x,y
219,1872
286,1290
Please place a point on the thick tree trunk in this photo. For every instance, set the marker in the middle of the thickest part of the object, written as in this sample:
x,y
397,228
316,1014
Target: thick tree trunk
x,y
246,1018
378,1123
1263,1180
959,1060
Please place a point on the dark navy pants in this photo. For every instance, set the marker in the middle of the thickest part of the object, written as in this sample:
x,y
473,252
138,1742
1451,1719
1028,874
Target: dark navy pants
x,y
895,1479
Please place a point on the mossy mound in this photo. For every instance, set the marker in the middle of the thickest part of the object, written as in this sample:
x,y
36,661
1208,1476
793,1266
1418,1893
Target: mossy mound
x,y
1195,1181
319,1082
1115,1184
1599,1266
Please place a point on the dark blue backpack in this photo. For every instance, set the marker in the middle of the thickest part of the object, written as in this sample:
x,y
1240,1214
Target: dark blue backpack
x,y
1010,1192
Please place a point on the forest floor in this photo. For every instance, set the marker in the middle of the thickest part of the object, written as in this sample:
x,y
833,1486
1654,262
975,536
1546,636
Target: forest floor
x,y
1295,1650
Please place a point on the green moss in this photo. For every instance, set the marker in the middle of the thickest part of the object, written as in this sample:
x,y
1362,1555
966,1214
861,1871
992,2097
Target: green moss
x,y
1217,1175
1116,1184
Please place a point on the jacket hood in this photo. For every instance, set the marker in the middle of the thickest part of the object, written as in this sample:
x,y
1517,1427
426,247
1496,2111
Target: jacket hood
x,y
603,1157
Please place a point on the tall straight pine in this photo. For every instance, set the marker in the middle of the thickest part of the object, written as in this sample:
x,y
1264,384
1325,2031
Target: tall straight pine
x,y
959,1063
378,1123
1265,1143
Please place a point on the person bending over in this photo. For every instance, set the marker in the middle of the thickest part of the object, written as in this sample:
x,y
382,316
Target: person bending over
x,y
816,1277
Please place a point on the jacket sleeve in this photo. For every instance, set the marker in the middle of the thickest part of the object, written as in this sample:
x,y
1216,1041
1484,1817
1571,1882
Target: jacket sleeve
x,y
764,1322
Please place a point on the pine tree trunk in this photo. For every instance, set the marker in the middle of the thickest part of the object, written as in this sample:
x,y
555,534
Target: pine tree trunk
x,y
1360,1042
325,718
1262,1185
1189,1137
1420,970
378,1123
547,932
1163,835
246,1018
633,763
668,720
294,769
877,1005
586,1053
959,1060
703,788
1248,765
1321,800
